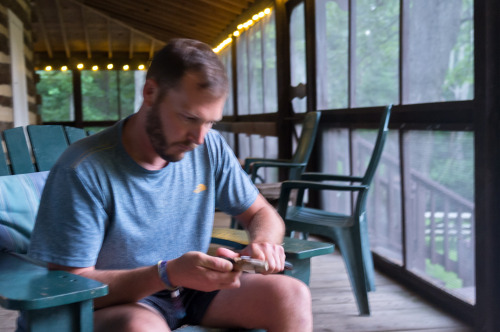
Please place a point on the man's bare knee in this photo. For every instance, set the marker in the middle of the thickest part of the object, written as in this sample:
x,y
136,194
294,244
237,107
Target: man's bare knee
x,y
294,298
129,318
291,303
273,302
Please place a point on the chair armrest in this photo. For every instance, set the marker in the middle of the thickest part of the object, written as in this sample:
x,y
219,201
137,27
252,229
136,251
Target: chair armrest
x,y
276,164
26,286
249,161
287,186
311,176
299,184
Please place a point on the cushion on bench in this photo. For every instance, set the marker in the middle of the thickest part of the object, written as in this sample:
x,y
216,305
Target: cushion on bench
x,y
19,201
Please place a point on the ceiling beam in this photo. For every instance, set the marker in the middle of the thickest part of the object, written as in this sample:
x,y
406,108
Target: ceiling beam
x,y
63,29
131,45
243,4
205,13
99,12
230,8
166,32
43,31
152,49
86,33
189,11
179,20
110,44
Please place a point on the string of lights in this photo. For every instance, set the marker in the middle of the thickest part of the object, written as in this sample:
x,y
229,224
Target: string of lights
x,y
110,66
241,28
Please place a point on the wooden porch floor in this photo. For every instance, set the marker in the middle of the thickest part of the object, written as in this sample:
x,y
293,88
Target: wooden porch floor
x,y
394,309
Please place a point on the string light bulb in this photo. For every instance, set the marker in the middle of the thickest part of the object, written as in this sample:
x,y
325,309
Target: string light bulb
x,y
109,66
255,18
248,24
223,44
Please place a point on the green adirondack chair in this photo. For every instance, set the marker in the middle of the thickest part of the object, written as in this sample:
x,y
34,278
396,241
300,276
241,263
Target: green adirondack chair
x,y
295,166
18,151
299,161
4,166
74,134
48,143
348,231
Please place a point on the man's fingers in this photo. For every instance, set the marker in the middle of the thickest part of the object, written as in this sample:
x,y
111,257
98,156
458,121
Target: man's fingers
x,y
224,252
218,264
272,253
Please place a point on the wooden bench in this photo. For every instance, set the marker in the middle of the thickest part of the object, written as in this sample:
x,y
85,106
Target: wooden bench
x,y
57,300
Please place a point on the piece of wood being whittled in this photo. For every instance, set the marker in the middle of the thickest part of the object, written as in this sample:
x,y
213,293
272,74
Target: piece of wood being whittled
x,y
247,264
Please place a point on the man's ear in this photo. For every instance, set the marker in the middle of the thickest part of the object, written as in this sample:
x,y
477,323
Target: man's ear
x,y
150,92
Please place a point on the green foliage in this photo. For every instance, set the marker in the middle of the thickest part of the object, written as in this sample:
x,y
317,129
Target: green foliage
x,y
56,90
459,82
367,53
452,162
106,95
376,59
436,271
335,69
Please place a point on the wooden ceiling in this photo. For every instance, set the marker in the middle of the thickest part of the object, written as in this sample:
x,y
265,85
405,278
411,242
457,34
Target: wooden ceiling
x,y
73,30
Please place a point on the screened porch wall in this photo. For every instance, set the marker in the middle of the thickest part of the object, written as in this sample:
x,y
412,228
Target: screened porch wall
x,y
369,54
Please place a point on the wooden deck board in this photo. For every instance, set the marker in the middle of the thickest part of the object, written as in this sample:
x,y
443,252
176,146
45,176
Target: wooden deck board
x,y
393,308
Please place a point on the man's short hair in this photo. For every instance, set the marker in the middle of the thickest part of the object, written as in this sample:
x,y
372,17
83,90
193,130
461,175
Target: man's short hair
x,y
180,56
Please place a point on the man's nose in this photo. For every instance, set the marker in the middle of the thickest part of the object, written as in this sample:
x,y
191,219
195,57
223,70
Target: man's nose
x,y
197,134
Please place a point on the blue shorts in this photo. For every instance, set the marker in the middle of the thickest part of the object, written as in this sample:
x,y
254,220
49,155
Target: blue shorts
x,y
188,308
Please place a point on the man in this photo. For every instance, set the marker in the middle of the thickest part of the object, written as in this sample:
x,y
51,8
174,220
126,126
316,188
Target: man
x,y
145,190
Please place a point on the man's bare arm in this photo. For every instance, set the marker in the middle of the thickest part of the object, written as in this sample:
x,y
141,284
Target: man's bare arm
x,y
262,222
193,270
266,230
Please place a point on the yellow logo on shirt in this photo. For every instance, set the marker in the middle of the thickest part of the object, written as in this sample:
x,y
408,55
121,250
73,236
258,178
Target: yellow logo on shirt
x,y
199,188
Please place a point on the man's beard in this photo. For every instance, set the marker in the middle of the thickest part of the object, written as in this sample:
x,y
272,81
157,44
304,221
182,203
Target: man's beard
x,y
157,137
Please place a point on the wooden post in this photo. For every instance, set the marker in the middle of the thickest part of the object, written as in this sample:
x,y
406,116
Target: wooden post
x,y
487,163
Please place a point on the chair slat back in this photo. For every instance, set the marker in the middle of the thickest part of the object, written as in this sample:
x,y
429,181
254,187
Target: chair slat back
x,y
74,134
383,130
306,143
18,151
48,143
4,166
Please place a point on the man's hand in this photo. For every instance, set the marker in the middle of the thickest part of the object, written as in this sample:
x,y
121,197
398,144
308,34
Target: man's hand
x,y
274,254
202,272
265,230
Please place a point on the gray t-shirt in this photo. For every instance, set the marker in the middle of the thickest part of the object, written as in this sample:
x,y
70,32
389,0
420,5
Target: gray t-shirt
x,y
99,207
